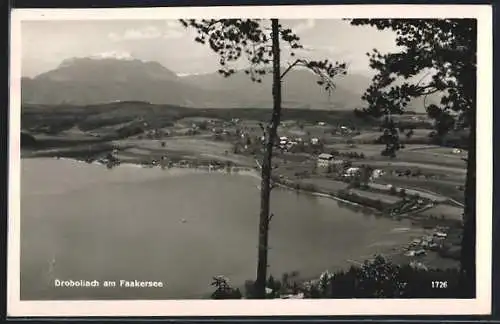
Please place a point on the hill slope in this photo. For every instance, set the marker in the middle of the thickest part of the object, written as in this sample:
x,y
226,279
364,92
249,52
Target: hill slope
x,y
88,81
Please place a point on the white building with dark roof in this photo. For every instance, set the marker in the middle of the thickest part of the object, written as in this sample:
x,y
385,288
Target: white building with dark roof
x,y
325,160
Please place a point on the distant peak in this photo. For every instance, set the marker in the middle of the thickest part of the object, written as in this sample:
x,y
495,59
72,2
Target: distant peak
x,y
113,55
193,74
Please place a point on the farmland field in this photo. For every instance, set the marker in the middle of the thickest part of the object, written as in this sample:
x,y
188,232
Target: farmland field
x,y
447,211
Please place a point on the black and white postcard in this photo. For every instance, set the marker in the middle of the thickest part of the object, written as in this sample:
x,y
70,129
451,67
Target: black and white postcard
x,y
281,160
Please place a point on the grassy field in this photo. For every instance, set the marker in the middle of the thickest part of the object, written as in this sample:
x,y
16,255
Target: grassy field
x,y
422,156
385,198
325,184
184,147
447,189
369,150
433,149
419,135
401,164
446,211
429,155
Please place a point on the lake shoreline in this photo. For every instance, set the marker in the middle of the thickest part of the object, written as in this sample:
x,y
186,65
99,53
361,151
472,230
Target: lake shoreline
x,y
413,215
397,248
252,172
239,170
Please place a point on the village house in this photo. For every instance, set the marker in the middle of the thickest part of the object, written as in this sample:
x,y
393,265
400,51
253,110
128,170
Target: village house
x,y
352,172
325,160
288,123
291,144
283,141
377,173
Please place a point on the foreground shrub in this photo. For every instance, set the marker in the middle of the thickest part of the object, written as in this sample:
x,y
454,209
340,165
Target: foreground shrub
x,y
223,289
377,278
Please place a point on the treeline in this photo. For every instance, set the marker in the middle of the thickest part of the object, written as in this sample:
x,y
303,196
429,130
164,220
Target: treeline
x,y
350,155
456,139
81,153
377,278
345,117
49,124
62,117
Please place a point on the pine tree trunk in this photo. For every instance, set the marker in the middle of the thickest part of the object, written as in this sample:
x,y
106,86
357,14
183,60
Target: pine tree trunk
x,y
468,255
265,194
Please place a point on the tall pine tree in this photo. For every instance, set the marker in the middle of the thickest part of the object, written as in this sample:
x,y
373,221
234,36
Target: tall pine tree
x,y
437,56
259,43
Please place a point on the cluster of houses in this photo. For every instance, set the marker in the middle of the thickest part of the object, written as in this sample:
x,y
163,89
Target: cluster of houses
x,y
286,143
326,161
217,127
432,242
220,131
157,133
344,130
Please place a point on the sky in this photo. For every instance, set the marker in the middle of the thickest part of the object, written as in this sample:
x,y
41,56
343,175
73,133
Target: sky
x,y
45,44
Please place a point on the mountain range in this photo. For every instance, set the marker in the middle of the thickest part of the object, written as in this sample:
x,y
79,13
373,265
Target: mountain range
x,y
87,81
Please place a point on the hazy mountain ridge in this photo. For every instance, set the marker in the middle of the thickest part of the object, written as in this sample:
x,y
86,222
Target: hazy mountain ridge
x,y
87,81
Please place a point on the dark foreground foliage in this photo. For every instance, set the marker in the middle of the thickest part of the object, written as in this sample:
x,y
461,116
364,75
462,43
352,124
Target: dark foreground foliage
x,y
438,57
377,278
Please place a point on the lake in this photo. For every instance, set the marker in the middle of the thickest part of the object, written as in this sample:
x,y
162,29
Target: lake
x,y
182,227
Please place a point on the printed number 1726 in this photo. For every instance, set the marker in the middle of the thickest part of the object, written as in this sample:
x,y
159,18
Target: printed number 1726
x,y
439,284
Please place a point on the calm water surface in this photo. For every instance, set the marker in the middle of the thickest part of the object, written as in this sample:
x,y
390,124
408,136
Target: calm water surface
x,y
181,227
